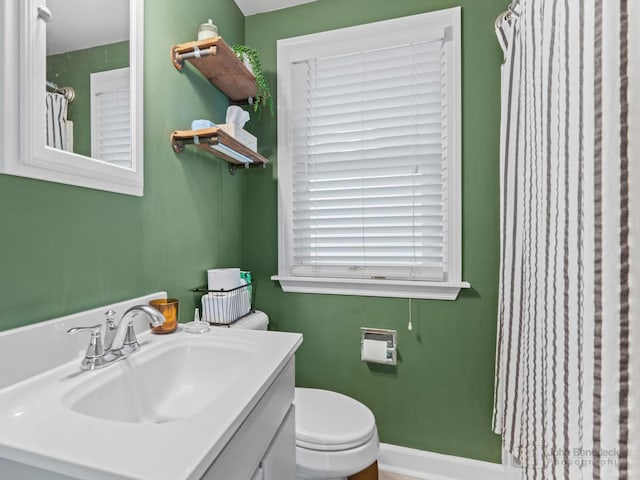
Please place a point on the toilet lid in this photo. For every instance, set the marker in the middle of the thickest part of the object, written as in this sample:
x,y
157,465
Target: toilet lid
x,y
328,420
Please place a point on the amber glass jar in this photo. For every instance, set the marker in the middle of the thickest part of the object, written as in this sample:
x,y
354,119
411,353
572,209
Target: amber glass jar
x,y
168,307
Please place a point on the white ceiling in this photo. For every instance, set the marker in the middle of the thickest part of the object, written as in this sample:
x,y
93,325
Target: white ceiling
x,y
251,7
79,24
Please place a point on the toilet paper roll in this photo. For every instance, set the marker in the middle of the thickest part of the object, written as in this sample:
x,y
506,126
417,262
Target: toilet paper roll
x,y
374,351
223,278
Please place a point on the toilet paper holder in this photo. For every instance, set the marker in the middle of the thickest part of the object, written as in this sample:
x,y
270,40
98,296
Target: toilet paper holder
x,y
378,346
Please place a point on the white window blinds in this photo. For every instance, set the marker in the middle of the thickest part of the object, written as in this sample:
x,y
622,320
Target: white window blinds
x,y
114,142
368,146
111,117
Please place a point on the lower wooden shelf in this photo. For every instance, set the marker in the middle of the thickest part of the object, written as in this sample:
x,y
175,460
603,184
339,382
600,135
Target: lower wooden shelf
x,y
220,144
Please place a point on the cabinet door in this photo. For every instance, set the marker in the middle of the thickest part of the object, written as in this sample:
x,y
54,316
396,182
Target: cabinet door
x,y
279,463
242,455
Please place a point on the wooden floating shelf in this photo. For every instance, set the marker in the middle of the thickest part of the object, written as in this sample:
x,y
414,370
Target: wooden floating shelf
x,y
219,143
217,61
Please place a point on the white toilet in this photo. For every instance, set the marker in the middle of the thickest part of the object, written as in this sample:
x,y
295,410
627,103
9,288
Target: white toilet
x,y
336,436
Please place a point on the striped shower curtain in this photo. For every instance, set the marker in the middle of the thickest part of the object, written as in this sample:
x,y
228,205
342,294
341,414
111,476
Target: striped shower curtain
x,y
56,121
567,394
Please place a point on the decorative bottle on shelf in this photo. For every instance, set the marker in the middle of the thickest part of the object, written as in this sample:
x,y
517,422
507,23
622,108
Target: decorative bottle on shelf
x,y
207,30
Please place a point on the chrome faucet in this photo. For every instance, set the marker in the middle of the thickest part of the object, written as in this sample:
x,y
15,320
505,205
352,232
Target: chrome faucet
x,y
123,343
125,340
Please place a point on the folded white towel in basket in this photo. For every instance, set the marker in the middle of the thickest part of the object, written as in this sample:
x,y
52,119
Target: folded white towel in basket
x,y
225,307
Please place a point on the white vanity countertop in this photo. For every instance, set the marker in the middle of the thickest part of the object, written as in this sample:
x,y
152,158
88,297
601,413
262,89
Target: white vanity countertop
x,y
37,429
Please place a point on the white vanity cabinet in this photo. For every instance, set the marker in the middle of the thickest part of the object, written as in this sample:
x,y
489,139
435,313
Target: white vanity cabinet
x,y
263,448
280,460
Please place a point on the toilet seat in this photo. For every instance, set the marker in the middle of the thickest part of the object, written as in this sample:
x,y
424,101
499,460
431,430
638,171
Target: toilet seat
x,y
330,421
317,464
336,436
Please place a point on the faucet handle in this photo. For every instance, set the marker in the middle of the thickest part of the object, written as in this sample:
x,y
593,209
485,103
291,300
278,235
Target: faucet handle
x,y
95,349
95,329
111,329
111,315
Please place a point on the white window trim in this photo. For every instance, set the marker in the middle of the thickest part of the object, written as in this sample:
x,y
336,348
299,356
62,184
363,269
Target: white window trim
x,y
432,25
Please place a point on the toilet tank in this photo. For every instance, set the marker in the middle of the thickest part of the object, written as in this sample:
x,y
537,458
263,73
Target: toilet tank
x,y
254,321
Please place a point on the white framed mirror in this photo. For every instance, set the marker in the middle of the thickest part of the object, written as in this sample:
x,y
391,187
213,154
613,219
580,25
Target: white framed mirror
x,y
71,115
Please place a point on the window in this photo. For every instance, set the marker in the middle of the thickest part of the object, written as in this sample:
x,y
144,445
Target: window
x,y
111,117
369,159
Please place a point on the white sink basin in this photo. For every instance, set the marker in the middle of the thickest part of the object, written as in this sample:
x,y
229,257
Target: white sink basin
x,y
170,383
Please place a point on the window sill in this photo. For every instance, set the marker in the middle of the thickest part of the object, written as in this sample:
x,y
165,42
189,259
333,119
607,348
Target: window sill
x,y
372,288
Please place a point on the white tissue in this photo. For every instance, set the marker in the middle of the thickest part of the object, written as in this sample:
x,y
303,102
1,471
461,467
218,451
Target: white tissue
x,y
223,278
237,116
374,351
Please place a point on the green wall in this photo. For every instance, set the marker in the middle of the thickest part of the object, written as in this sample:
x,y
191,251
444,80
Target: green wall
x,y
439,397
73,69
64,249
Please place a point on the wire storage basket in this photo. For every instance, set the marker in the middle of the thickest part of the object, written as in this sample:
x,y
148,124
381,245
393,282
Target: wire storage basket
x,y
223,307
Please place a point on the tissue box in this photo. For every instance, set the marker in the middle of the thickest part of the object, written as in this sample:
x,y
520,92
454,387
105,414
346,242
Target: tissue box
x,y
241,135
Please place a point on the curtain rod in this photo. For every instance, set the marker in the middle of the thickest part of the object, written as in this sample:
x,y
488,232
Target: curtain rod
x,y
68,92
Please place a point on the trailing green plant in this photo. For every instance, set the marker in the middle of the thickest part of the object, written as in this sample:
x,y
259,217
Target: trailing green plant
x,y
263,95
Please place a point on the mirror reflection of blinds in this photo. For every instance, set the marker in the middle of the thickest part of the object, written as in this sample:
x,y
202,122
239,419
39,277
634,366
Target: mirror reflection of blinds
x,y
370,164
114,143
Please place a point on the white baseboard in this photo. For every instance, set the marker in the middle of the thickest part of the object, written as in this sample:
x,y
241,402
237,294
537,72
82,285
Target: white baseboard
x,y
435,466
